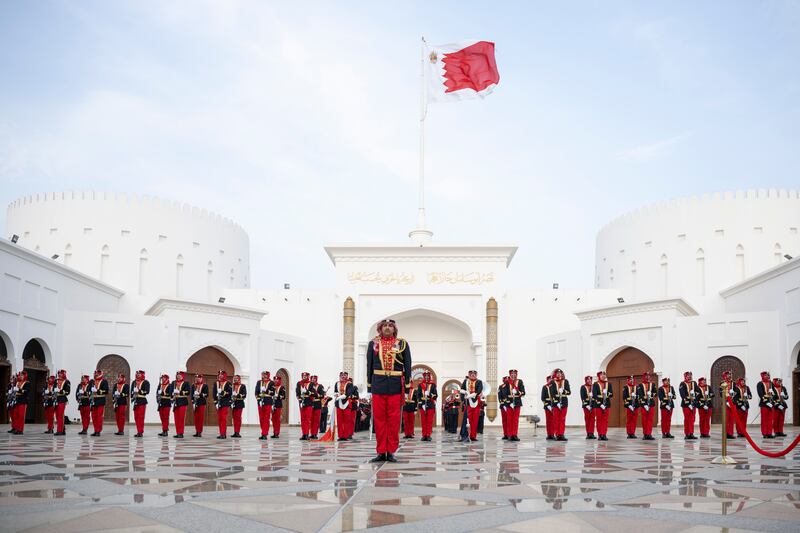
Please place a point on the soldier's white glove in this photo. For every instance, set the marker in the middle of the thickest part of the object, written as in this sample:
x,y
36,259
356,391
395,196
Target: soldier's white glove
x,y
549,407
705,407
768,404
603,407
668,408
116,394
631,408
646,407
781,407
561,391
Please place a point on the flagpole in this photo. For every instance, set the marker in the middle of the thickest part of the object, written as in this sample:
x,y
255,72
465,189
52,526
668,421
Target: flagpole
x,y
421,235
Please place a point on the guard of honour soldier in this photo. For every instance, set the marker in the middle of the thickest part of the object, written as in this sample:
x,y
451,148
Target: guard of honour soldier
x,y
390,386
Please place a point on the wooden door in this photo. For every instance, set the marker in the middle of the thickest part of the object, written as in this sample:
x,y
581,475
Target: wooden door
x,y
729,363
208,362
289,391
628,362
112,366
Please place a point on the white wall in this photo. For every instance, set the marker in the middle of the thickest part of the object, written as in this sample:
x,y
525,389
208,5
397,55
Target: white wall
x,y
35,294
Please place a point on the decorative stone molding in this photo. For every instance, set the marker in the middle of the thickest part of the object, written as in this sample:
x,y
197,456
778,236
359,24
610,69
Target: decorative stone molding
x,y
678,305
348,336
491,357
168,304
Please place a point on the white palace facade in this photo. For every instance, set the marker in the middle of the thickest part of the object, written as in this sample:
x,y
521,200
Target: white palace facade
x,y
123,283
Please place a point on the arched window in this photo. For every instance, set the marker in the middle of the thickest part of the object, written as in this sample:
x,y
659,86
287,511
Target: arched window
x,y
778,253
231,279
142,270
67,254
105,253
633,279
179,276
210,281
665,274
611,277
740,262
700,271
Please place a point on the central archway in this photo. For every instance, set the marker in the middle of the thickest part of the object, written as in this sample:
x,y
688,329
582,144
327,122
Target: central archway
x,y
289,391
207,362
438,341
34,361
628,361
724,363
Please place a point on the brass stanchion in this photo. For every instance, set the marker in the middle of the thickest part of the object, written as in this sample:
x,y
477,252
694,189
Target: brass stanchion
x,y
724,459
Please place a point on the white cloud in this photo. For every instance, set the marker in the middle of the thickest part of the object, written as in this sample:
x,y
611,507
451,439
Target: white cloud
x,y
651,151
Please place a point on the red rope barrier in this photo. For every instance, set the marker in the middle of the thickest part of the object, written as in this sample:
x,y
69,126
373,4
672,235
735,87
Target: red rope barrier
x,y
742,428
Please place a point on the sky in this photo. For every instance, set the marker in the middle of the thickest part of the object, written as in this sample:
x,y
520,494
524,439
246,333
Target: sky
x,y
300,120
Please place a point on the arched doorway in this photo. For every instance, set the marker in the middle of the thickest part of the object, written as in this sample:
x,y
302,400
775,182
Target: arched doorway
x,y
5,376
451,386
628,362
34,362
112,366
207,362
726,362
289,390
416,378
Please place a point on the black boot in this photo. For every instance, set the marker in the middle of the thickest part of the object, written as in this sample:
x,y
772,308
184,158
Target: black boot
x,y
380,458
390,458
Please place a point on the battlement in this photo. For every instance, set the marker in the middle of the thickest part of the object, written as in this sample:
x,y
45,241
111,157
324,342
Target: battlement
x,y
132,200
705,200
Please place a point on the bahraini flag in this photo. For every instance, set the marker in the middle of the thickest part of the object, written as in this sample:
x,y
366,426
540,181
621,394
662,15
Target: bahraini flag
x,y
461,71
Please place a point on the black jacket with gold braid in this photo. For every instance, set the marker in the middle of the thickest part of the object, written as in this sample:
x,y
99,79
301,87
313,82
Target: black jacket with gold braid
x,y
392,375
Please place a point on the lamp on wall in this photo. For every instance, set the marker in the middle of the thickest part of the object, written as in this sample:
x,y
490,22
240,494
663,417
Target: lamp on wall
x,y
14,238
54,257
222,299
555,285
620,300
286,286
787,256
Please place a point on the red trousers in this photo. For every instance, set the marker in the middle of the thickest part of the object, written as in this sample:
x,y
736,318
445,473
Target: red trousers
x,y
426,418
705,421
766,421
121,414
512,413
315,416
276,421
588,419
264,412
237,420
222,420
688,421
386,418
343,422
97,417
163,413
352,413
666,421
179,414
728,420
630,420
305,419
138,417
473,414
408,423
778,416
18,416
559,420
85,412
200,418
49,413
60,407
648,415
504,419
601,419
548,421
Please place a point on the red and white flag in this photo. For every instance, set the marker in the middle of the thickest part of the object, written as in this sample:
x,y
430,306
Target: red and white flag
x,y
461,71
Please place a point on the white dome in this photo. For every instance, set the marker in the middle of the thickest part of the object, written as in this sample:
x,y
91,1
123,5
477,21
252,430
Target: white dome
x,y
694,247
148,247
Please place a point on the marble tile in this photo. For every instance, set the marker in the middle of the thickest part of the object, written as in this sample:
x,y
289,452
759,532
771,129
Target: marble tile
x,y
154,484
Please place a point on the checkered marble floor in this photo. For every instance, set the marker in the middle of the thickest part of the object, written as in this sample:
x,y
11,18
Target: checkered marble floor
x,y
160,484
